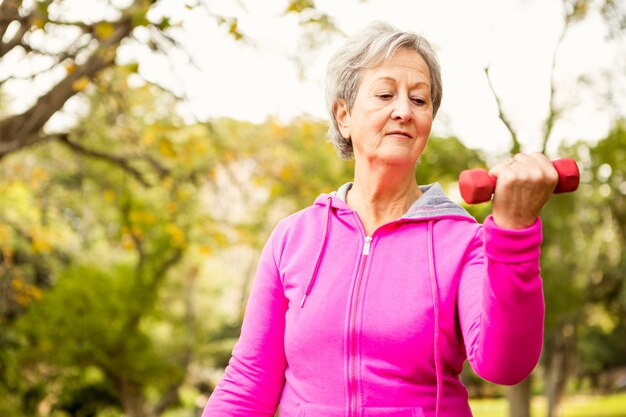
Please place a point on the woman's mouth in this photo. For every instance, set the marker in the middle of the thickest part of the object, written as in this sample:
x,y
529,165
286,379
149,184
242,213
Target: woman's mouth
x,y
399,133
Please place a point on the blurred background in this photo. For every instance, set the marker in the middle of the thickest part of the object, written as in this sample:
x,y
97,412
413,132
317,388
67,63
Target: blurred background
x,y
148,147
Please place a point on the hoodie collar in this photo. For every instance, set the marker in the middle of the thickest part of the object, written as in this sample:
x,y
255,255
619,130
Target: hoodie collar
x,y
432,204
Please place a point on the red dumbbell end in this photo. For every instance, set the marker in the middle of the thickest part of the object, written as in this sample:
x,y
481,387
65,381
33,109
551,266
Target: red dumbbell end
x,y
476,186
569,176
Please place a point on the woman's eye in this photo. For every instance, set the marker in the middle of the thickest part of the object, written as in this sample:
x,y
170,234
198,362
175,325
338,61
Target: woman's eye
x,y
418,101
384,96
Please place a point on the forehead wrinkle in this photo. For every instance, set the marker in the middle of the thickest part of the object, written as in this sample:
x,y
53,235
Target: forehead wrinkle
x,y
394,80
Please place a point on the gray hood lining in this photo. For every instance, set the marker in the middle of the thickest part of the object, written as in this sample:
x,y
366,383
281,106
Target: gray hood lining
x,y
433,203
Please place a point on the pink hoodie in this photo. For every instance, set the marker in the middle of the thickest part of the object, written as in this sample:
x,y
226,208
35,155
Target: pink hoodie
x,y
340,324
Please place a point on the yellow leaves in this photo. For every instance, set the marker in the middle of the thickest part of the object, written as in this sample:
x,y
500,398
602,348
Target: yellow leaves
x,y
146,226
149,137
578,10
30,177
23,293
5,233
142,217
38,22
109,196
205,250
277,130
286,173
172,208
6,240
166,148
42,246
177,235
128,242
233,27
38,175
18,203
41,239
132,68
228,155
298,6
161,130
233,30
104,30
182,195
195,148
131,236
80,84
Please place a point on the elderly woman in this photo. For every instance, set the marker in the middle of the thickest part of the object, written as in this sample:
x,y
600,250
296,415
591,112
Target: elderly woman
x,y
368,302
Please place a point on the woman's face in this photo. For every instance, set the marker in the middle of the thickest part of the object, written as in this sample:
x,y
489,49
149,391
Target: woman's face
x,y
392,114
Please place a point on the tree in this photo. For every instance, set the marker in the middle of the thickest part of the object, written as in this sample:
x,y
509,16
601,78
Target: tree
x,y
107,244
602,335
30,33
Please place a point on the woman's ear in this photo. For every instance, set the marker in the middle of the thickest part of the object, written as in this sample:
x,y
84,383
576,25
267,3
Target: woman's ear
x,y
342,116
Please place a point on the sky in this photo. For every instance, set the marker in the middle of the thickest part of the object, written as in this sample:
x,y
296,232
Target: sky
x,y
516,38
259,79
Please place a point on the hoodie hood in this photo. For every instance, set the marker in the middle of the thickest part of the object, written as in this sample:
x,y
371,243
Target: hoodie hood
x,y
432,204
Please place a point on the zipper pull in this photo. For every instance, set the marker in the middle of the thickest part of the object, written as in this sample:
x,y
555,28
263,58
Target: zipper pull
x,y
366,246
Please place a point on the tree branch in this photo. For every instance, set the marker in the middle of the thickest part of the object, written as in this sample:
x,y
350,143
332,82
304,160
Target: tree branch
x,y
57,60
16,40
553,111
516,148
12,146
122,162
8,13
15,128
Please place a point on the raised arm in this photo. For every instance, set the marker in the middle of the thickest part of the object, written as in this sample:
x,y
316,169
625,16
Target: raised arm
x,y
500,300
501,303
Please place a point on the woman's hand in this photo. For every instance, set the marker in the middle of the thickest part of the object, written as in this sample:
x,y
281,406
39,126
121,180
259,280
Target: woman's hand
x,y
525,183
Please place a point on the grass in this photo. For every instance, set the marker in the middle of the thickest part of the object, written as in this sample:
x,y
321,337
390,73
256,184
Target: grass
x,y
573,406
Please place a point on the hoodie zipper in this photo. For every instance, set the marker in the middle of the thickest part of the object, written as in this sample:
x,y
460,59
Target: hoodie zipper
x,y
352,335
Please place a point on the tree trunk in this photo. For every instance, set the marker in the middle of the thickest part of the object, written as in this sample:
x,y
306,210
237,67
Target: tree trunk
x,y
519,398
559,367
133,401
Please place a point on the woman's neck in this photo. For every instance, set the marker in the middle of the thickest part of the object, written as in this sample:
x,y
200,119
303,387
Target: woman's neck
x,y
382,196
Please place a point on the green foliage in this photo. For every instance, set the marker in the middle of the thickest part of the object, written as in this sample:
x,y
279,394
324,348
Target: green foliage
x,y
109,244
582,258
602,341
91,313
444,159
300,164
576,406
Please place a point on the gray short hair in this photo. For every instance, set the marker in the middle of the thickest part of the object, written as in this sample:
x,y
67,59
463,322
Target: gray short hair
x,y
374,45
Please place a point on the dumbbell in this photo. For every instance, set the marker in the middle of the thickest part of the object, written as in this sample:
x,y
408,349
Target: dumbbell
x,y
477,185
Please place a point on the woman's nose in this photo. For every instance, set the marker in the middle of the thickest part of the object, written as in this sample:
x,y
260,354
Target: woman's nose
x,y
402,110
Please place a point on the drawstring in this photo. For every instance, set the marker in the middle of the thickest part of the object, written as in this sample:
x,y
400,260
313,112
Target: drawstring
x,y
320,253
435,291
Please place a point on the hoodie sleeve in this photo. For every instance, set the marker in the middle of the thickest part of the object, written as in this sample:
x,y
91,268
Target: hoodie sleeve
x,y
501,311
254,378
